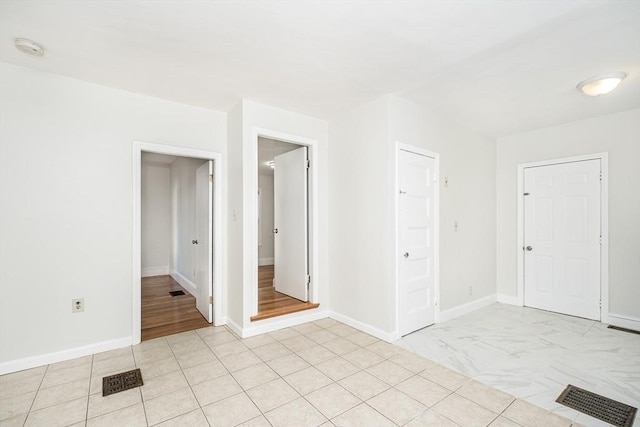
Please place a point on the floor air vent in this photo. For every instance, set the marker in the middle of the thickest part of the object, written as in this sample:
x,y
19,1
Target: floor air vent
x,y
600,407
121,382
176,293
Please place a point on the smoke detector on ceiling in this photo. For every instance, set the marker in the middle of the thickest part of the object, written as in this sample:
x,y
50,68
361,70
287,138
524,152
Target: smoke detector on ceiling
x,y
29,47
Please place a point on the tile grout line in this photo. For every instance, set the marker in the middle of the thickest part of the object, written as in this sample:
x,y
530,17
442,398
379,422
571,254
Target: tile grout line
x,y
135,363
187,380
36,395
86,415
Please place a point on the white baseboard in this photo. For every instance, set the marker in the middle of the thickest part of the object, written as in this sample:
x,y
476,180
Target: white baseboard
x,y
265,261
378,333
286,321
508,299
235,328
280,322
155,271
184,282
60,356
467,308
623,321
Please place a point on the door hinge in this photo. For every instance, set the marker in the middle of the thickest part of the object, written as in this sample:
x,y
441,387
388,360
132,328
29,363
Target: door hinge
x,y
600,240
600,175
210,300
308,163
308,282
210,178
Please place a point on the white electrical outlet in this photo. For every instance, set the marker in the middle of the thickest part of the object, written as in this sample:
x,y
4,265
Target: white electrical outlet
x,y
470,290
77,305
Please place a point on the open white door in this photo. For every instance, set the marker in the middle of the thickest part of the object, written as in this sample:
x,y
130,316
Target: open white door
x,y
562,238
204,240
416,293
290,223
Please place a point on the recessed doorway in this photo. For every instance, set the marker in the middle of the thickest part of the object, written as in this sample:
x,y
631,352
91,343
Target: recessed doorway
x,y
177,267
285,224
283,235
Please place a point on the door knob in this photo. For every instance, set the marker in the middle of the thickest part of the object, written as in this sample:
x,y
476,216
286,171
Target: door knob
x,y
194,242
406,255
529,248
275,231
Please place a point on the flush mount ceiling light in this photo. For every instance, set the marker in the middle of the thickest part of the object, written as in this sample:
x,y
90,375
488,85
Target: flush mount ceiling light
x,y
601,84
29,47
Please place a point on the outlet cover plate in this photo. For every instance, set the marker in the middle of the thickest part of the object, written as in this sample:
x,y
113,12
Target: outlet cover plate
x,y
77,305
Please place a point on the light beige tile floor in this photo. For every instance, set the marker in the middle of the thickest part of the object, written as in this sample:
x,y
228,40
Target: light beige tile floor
x,y
316,374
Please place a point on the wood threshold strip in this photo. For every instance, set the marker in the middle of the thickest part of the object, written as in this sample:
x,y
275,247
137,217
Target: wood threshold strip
x,y
284,310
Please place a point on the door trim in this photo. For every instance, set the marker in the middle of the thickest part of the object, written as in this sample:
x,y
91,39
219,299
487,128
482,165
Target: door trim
x,y
218,241
250,303
604,225
396,259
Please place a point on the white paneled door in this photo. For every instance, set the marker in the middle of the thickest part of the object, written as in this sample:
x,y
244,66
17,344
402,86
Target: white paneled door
x,y
562,233
416,288
290,223
204,240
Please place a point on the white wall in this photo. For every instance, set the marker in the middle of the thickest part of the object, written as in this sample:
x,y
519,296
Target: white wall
x,y
183,221
265,250
362,217
156,219
66,204
235,231
468,161
359,196
617,134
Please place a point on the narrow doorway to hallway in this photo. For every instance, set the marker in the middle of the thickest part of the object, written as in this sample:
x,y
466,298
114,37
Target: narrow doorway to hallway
x,y
283,234
176,250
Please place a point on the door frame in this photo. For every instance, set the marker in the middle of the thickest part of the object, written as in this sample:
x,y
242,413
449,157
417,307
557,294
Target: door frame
x,y
251,303
219,272
436,235
604,225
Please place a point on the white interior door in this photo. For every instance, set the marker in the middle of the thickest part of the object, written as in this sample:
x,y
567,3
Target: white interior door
x,y
290,223
416,291
562,238
204,240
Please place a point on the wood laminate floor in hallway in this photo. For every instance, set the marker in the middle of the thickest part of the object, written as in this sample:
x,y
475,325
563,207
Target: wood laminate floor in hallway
x,y
272,303
163,314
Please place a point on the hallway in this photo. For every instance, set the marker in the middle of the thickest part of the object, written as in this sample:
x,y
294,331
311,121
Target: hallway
x,y
163,314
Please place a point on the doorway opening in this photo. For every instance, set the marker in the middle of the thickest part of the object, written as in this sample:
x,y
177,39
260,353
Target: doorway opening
x,y
562,236
176,262
284,213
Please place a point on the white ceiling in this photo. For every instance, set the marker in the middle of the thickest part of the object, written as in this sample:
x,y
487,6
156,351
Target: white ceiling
x,y
498,67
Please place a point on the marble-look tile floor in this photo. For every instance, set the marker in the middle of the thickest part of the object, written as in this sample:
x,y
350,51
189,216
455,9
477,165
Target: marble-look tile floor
x,y
316,374
533,355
